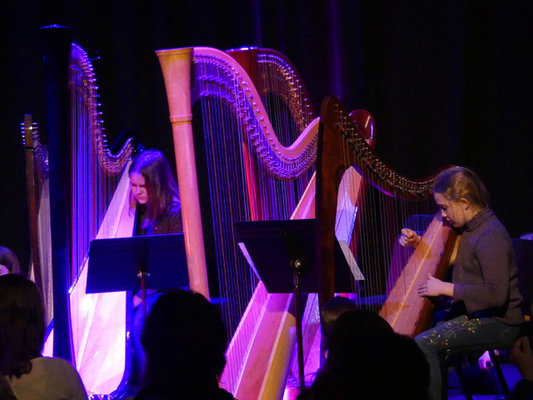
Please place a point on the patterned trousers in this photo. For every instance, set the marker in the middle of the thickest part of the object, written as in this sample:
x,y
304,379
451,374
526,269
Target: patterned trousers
x,y
459,332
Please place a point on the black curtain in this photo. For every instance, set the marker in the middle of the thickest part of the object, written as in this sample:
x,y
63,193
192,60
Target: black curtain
x,y
448,82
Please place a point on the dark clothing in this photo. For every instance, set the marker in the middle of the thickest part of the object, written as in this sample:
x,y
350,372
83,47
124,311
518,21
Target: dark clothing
x,y
169,223
485,273
485,287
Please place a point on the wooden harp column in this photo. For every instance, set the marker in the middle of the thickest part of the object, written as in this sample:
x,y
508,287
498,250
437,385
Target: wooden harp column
x,y
176,65
263,168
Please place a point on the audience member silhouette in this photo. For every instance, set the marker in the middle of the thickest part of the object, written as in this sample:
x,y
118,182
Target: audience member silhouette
x,y
329,313
154,196
367,360
22,368
184,339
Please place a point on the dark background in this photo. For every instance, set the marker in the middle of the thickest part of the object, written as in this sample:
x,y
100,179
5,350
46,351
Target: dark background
x,y
449,82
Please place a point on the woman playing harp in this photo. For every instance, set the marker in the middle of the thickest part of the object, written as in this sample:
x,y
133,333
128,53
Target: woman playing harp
x,y
485,305
154,195
387,201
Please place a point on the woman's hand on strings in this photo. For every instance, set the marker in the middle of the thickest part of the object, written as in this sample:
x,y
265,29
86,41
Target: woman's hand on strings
x,y
435,287
409,237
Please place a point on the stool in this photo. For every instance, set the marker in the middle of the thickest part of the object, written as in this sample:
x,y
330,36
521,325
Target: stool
x,y
449,358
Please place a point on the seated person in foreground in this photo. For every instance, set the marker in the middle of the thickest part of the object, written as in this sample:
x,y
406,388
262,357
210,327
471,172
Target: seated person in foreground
x,y
329,314
367,360
29,375
184,339
154,197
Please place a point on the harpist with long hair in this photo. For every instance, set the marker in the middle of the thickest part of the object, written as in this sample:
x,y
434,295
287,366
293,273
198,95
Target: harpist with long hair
x,y
154,195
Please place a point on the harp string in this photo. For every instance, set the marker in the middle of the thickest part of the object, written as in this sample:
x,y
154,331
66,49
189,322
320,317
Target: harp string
x,y
97,201
270,173
240,186
95,168
230,190
89,182
380,217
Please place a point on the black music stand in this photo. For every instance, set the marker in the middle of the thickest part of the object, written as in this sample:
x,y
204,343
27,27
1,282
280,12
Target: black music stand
x,y
137,263
282,255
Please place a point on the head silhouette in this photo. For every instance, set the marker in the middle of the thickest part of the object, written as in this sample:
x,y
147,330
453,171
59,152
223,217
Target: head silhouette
x,y
367,359
184,339
21,324
330,312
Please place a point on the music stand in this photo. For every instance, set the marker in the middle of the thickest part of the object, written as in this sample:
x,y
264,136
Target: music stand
x,y
282,255
137,263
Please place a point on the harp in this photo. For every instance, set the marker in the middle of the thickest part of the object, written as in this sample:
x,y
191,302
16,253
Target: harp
x,y
77,191
230,112
247,154
389,200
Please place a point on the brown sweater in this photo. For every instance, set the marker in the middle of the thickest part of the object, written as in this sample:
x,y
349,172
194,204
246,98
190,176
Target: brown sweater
x,y
485,273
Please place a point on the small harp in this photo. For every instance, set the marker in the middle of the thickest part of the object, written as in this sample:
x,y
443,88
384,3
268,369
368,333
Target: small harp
x,y
389,200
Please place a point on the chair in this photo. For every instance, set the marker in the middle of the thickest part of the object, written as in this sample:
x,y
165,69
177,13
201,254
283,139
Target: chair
x,y
524,260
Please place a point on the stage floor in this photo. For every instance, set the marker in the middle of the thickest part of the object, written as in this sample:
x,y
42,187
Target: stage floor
x,y
484,385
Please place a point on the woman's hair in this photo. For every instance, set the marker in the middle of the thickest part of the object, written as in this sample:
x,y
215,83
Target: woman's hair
x,y
21,324
9,259
458,182
161,187
330,312
5,390
184,338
